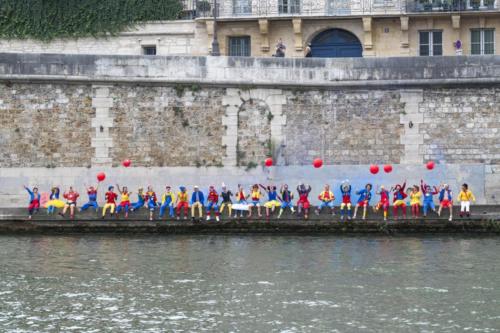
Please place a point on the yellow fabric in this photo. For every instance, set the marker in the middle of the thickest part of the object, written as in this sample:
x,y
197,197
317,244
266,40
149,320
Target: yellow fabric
x,y
342,205
56,203
415,198
255,195
166,195
111,208
399,203
466,196
272,203
125,197
182,197
229,207
200,209
322,196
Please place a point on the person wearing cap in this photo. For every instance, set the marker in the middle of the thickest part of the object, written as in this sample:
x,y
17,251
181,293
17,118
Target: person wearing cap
x,y
197,201
446,200
110,198
182,203
151,201
212,202
167,201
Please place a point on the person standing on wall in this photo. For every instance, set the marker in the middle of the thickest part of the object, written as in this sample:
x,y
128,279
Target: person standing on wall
x,y
308,51
280,49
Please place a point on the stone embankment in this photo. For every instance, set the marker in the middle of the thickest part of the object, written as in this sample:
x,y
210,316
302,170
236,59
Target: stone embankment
x,y
485,220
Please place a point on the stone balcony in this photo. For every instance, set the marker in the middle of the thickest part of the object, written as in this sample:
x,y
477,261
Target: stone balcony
x,y
247,9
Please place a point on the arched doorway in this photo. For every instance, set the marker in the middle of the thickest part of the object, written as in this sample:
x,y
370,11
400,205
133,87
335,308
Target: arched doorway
x,y
336,43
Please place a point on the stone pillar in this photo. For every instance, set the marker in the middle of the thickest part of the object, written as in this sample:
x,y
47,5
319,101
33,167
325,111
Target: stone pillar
x,y
210,33
297,33
405,44
102,122
264,37
412,119
455,23
232,102
368,40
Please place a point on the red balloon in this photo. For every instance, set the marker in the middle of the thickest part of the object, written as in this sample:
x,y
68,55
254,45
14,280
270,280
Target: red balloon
x,y
318,163
374,169
387,168
126,163
268,162
430,165
101,176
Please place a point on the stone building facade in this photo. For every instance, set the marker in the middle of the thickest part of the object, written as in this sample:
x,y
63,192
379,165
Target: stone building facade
x,y
334,28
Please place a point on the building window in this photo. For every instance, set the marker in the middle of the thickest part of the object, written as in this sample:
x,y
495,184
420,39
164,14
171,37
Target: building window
x,y
149,50
242,7
431,43
239,46
482,41
289,6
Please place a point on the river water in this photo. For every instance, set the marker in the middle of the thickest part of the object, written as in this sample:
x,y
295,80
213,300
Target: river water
x,y
249,284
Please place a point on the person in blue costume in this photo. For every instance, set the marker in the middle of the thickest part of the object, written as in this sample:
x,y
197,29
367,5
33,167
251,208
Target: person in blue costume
x,y
151,201
365,196
92,193
345,190
197,201
54,195
272,199
140,200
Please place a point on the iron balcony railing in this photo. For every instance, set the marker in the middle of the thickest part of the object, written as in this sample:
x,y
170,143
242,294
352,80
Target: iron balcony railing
x,y
273,8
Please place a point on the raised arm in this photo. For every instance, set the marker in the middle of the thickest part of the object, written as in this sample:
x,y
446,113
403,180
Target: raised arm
x,y
118,187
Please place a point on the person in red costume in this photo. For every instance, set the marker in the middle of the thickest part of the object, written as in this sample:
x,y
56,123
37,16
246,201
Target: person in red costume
x,y
303,202
384,201
71,196
213,202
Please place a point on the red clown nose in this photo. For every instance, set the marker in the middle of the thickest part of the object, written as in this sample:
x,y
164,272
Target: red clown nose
x,y
126,163
374,169
268,162
387,168
430,165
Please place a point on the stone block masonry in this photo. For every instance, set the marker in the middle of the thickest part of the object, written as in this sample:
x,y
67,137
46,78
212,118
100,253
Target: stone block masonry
x,y
207,115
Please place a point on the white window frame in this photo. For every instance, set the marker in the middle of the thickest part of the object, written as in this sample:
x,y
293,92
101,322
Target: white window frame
x,y
430,34
481,40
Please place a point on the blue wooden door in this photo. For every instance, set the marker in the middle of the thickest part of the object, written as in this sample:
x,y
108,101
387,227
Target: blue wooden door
x,y
336,43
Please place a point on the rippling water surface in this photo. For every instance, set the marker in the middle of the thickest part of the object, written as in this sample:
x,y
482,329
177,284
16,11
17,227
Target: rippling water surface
x,y
249,283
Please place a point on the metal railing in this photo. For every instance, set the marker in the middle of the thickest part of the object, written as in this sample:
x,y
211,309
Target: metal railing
x,y
276,8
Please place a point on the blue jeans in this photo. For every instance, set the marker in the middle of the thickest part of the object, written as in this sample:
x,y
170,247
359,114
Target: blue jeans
x,y
170,207
213,205
427,205
125,207
137,205
324,204
90,204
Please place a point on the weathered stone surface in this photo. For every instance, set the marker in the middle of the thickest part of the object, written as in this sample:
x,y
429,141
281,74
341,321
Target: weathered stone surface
x,y
45,125
167,126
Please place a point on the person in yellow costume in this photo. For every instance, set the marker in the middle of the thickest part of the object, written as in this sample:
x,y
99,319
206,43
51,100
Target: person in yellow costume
x,y
254,200
125,200
415,197
272,196
167,201
327,198
54,201
465,197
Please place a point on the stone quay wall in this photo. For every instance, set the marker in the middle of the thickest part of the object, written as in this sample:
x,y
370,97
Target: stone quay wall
x,y
220,117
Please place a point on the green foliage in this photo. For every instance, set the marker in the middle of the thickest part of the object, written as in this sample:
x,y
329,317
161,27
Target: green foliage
x,y
49,19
